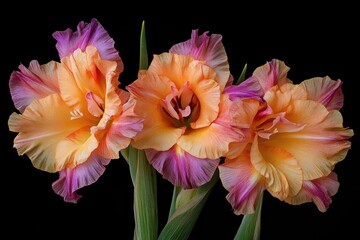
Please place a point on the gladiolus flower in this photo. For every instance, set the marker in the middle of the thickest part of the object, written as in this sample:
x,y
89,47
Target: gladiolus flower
x,y
295,139
188,119
73,117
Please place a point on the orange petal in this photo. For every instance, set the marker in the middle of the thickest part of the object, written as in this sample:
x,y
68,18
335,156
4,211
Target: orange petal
x,y
281,170
44,123
76,148
208,93
158,132
321,144
83,72
208,142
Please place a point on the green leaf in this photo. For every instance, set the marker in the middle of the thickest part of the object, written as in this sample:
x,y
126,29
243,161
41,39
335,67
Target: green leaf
x,y
143,176
188,205
143,61
173,200
250,225
242,75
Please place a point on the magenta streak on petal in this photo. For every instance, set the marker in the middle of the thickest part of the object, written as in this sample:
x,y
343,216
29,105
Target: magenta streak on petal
x,y
244,188
205,48
82,175
329,99
249,89
87,34
95,104
181,168
29,84
321,190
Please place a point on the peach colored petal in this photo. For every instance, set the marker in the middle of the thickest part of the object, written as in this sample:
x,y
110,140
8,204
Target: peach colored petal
x,y
179,69
239,114
84,72
181,168
214,141
112,101
281,170
243,183
326,91
95,104
122,129
271,74
158,133
320,145
76,148
318,191
280,98
34,82
208,49
208,142
183,70
208,93
40,129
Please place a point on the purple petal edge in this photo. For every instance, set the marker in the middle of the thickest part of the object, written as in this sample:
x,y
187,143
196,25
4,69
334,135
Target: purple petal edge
x,y
82,175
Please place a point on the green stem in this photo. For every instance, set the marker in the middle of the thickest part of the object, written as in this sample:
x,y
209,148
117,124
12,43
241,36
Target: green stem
x,y
250,225
145,195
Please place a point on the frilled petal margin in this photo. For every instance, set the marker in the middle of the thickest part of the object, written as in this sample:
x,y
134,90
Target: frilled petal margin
x,y
325,91
272,73
41,129
34,82
157,133
82,175
208,49
88,34
123,128
282,172
213,141
181,168
318,191
243,183
248,89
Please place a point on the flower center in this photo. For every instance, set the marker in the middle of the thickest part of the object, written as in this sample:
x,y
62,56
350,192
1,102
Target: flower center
x,y
182,106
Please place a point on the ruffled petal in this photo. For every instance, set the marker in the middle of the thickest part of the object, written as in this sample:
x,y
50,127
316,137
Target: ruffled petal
x,y
208,49
321,144
88,34
180,69
44,123
158,133
326,91
248,89
281,170
82,175
208,94
181,168
243,183
271,74
84,72
76,148
31,83
208,142
122,129
318,191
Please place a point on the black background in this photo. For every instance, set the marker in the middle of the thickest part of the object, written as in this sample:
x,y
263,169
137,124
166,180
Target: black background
x,y
312,40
